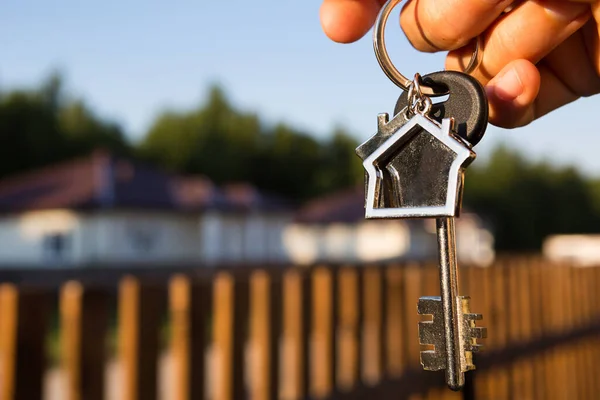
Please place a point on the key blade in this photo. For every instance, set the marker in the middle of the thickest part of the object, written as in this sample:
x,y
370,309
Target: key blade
x,y
432,333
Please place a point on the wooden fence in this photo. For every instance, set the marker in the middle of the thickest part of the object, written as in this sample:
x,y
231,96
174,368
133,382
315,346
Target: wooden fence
x,y
299,333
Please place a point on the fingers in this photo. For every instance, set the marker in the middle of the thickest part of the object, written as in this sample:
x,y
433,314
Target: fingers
x,y
571,62
531,31
512,94
521,93
433,25
592,35
346,21
518,92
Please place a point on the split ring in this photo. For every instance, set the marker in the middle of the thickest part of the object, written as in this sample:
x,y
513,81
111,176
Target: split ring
x,y
386,63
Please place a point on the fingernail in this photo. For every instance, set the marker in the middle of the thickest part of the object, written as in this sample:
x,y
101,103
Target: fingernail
x,y
565,10
507,86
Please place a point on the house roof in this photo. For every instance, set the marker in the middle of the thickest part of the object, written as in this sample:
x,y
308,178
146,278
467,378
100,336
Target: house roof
x,y
344,206
103,180
348,206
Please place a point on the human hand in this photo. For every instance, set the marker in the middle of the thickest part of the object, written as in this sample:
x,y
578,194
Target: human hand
x,y
541,55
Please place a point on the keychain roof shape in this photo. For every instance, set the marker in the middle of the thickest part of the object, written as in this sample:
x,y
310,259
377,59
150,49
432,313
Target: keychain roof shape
x,y
421,161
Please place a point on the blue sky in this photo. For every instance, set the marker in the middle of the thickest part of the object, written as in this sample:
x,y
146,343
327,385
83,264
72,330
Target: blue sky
x,y
130,59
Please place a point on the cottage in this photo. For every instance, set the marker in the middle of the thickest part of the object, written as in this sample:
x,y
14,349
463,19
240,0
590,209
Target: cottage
x,y
334,229
105,210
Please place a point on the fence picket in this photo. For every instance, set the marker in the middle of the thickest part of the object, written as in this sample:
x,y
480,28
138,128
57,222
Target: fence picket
x,y
265,334
141,307
372,357
396,355
322,345
84,321
23,327
190,308
348,335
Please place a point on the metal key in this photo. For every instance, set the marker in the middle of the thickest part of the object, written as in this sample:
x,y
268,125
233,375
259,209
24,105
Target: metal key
x,y
452,350
414,168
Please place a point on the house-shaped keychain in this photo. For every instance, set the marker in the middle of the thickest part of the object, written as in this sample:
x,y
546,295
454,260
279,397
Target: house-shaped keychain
x,y
414,168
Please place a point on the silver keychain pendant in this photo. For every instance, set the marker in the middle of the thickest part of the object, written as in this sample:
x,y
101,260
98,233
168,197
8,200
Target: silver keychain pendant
x,y
421,167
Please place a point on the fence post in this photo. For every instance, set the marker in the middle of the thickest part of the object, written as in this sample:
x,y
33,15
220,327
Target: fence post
x,y
190,309
372,357
412,291
295,384
265,304
140,309
396,354
23,327
348,332
229,336
322,344
84,320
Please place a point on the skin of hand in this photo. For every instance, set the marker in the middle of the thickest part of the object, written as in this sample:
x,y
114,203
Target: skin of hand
x,y
537,57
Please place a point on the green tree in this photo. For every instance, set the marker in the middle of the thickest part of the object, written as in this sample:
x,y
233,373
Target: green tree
x,y
42,126
84,131
287,162
226,145
526,201
215,140
340,166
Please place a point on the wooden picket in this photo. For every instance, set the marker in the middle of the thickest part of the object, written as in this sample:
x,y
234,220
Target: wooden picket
x,y
140,310
84,318
343,332
189,304
23,323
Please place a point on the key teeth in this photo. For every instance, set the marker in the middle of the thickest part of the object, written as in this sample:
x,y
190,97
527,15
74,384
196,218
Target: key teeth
x,y
474,348
473,317
470,333
478,332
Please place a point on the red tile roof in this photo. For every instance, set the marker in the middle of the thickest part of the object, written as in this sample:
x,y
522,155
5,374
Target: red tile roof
x,y
105,181
343,206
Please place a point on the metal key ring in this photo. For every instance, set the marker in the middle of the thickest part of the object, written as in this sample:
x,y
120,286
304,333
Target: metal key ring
x,y
386,63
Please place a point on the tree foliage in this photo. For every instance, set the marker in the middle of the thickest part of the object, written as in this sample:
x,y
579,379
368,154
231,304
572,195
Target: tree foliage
x,y
42,126
227,145
526,201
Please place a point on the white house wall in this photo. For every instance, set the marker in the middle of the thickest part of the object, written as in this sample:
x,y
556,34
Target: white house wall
x,y
364,242
210,238
103,237
139,237
275,225
582,250
22,236
302,243
232,238
255,243
475,245
381,240
243,237
127,238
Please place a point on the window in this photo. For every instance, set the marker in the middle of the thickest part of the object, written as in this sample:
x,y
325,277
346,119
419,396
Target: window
x,y
142,240
56,246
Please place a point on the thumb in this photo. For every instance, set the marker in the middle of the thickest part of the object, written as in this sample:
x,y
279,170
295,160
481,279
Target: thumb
x,y
512,94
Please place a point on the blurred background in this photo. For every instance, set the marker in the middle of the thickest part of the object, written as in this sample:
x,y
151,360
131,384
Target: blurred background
x,y
194,139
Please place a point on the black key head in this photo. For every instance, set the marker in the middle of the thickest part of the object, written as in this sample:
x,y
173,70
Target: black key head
x,y
467,103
